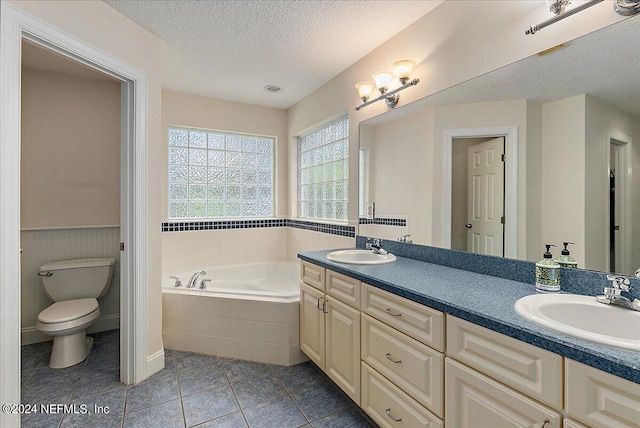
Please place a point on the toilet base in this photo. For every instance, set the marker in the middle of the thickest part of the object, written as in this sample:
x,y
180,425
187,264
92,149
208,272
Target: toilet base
x,y
70,350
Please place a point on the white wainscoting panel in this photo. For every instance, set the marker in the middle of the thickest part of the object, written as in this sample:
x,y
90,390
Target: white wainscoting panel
x,y
45,245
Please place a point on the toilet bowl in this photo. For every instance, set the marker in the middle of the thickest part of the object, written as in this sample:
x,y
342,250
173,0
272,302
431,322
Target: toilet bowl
x,y
74,286
67,322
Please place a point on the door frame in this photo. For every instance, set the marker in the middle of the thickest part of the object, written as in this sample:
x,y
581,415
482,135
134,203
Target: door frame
x,y
624,175
14,26
510,134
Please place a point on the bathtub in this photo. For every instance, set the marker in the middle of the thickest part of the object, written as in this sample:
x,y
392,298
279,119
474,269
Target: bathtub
x,y
273,281
248,311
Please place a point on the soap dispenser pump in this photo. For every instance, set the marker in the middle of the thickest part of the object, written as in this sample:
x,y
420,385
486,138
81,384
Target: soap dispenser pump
x,y
547,273
565,260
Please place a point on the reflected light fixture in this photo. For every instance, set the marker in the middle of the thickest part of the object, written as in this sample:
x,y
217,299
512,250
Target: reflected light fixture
x,y
559,9
388,84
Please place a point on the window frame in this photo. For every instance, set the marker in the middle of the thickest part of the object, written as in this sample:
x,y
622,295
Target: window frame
x,y
225,167
342,137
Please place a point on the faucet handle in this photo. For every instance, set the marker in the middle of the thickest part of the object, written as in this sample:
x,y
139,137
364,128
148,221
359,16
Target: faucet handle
x,y
619,282
178,283
203,286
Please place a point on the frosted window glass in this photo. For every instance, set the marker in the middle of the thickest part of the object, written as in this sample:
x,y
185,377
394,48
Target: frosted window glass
x,y
323,172
219,175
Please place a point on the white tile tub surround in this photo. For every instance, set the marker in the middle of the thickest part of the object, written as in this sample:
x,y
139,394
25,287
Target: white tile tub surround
x,y
262,329
300,240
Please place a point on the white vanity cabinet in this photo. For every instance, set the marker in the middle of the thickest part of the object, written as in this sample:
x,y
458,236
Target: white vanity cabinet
x,y
408,365
330,325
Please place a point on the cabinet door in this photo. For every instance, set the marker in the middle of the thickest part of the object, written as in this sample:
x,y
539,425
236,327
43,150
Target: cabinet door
x,y
599,399
473,400
342,363
312,328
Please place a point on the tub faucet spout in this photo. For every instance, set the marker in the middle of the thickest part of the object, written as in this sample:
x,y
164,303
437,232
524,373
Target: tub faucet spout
x,y
194,279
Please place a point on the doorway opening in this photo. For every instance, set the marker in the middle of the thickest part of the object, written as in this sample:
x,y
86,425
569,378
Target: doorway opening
x,y
619,206
504,156
16,26
477,195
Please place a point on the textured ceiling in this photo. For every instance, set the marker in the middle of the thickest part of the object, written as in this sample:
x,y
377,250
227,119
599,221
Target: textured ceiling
x,y
231,49
602,64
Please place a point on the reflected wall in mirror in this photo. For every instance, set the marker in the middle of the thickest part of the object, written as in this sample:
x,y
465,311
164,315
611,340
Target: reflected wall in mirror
x,y
569,125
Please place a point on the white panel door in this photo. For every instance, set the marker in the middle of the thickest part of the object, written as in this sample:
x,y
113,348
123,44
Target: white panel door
x,y
486,198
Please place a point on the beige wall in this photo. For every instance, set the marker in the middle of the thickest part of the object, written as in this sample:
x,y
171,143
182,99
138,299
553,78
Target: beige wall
x,y
99,25
210,113
563,194
602,122
457,41
70,151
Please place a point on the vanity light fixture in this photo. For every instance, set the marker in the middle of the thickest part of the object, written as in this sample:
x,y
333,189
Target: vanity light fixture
x,y
558,8
387,84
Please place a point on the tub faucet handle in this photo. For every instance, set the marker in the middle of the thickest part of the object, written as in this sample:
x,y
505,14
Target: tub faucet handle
x,y
178,283
203,286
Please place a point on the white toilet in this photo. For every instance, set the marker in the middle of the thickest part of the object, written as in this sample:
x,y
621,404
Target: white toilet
x,y
74,286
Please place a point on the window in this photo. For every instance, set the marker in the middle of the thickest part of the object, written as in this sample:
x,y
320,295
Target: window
x,y
323,172
219,174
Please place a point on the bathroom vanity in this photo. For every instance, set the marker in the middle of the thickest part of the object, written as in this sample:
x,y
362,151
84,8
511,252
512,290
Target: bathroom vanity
x,y
417,344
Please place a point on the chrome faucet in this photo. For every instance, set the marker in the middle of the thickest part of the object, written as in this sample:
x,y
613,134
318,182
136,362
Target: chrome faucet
x,y
194,279
178,283
405,238
612,295
375,246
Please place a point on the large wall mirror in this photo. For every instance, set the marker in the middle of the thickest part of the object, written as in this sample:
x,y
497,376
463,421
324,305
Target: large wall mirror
x,y
545,150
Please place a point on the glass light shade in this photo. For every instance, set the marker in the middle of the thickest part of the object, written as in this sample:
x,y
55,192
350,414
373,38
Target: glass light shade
x,y
403,68
383,79
364,89
557,6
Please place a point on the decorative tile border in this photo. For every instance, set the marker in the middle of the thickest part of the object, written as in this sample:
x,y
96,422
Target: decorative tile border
x,y
384,221
333,229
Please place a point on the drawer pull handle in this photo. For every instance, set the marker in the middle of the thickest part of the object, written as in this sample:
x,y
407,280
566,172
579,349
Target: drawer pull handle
x,y
390,312
390,358
544,424
319,308
324,306
390,416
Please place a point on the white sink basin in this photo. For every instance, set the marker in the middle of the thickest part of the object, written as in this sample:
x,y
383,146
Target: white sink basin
x,y
583,317
360,257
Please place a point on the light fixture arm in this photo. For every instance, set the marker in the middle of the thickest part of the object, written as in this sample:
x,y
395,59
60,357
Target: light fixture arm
x,y
391,94
535,28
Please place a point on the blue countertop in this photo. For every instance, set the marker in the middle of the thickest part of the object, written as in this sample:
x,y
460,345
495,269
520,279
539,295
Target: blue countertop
x,y
484,300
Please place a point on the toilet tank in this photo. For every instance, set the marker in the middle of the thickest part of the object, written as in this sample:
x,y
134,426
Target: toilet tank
x,y
77,279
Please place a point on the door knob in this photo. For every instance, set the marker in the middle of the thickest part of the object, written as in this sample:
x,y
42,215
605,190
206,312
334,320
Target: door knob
x,y
468,225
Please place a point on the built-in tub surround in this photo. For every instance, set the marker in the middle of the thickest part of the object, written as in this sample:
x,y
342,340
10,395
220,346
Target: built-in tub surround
x,y
191,245
485,300
248,311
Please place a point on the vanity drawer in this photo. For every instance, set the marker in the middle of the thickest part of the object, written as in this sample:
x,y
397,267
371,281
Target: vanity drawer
x,y
312,275
343,288
531,370
411,365
600,399
418,321
389,407
473,399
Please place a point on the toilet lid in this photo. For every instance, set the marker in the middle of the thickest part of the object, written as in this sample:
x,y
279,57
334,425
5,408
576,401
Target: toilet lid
x,y
68,310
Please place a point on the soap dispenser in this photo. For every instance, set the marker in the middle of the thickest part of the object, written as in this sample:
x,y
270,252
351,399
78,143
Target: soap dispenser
x,y
565,260
547,273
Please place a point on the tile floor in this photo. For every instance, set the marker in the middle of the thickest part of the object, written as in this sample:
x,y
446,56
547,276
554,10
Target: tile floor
x,y
192,390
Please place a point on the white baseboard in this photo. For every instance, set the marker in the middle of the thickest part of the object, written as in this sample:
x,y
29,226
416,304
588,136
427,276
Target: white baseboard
x,y
31,335
155,363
